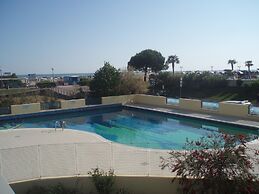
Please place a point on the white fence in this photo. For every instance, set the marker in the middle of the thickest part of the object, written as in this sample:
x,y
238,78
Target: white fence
x,y
77,159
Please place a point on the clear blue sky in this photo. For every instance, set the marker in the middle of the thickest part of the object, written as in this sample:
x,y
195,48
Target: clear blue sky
x,y
78,36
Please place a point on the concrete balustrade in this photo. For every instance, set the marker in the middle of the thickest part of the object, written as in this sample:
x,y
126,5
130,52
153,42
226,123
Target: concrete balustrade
x,y
150,100
190,104
123,99
25,108
233,109
77,103
36,107
135,98
225,108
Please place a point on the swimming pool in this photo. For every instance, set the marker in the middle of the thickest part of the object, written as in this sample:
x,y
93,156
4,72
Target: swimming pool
x,y
132,126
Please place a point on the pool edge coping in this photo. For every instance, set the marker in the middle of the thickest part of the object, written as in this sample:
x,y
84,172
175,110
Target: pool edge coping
x,y
54,111
154,109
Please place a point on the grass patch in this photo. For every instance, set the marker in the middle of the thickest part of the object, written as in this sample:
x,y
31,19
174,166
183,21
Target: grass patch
x,y
222,94
12,91
7,101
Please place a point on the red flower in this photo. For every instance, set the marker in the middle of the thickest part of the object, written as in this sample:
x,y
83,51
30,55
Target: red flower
x,y
225,136
241,137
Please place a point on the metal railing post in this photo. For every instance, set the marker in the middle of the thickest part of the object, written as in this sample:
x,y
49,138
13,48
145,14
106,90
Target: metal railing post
x,y
76,164
39,162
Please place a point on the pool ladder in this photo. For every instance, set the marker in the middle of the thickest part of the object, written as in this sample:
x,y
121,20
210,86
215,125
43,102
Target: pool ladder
x,y
60,124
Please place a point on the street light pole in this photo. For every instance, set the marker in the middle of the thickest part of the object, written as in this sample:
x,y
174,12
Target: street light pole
x,y
163,89
181,67
181,85
1,75
52,69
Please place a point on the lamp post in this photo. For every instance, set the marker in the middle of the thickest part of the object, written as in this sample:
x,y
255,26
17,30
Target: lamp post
x,y
1,77
181,85
181,67
163,89
52,69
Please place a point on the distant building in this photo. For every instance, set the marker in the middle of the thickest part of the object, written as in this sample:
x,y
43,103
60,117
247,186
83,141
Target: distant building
x,y
32,76
7,74
71,80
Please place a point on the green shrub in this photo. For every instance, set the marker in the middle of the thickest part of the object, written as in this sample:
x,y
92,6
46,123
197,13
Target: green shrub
x,y
46,84
131,83
191,82
239,83
217,164
11,83
57,189
37,190
103,181
255,85
105,81
84,81
166,81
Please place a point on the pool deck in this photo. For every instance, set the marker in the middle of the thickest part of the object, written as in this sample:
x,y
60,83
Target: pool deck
x,y
31,154
42,153
207,116
14,138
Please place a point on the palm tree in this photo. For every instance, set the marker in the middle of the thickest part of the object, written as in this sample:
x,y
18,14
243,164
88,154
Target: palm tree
x,y
249,64
232,62
174,60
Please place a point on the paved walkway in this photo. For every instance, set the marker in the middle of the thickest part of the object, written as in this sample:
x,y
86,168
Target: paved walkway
x,y
27,154
39,136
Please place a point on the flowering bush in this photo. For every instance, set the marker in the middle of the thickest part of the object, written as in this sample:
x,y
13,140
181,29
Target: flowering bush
x,y
215,164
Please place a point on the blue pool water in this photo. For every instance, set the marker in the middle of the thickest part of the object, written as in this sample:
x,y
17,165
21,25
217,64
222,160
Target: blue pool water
x,y
133,127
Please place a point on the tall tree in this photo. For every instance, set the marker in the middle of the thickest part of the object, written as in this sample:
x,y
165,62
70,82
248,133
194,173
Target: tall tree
x,y
148,60
173,59
249,64
232,62
105,81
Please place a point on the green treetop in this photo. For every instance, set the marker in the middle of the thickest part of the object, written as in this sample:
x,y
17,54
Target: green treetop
x,y
105,81
148,60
